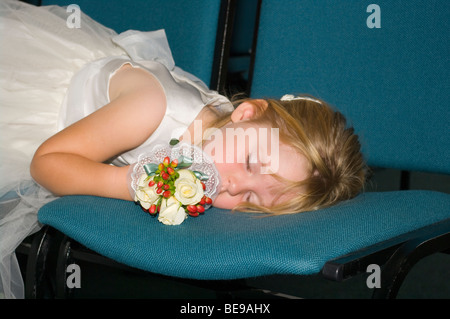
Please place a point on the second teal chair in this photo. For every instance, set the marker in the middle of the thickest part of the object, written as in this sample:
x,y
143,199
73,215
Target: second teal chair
x,y
196,30
385,66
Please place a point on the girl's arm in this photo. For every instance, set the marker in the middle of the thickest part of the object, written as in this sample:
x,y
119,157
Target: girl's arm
x,y
71,162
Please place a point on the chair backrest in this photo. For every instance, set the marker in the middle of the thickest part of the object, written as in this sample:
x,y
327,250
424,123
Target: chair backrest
x,y
191,27
385,66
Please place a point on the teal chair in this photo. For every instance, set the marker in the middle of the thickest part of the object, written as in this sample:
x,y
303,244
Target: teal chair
x,y
384,66
391,82
196,30
199,34
327,50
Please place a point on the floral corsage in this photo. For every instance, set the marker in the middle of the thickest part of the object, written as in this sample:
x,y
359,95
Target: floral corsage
x,y
174,183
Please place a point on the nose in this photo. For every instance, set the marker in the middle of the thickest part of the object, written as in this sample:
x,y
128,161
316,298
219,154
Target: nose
x,y
235,186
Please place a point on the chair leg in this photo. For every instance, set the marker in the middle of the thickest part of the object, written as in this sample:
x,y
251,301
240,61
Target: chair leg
x,y
37,283
64,260
406,256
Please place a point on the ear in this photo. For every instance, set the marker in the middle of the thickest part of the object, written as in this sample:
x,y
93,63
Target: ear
x,y
247,110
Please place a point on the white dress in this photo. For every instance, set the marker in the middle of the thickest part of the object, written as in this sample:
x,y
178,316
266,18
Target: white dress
x,y
52,75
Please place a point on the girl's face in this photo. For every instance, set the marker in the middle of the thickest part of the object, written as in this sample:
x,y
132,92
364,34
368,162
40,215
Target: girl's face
x,y
245,155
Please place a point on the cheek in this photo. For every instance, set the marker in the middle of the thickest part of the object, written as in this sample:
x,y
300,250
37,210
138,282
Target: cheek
x,y
215,148
226,146
222,169
228,170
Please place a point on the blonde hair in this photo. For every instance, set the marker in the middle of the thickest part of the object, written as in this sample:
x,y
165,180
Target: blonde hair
x,y
337,170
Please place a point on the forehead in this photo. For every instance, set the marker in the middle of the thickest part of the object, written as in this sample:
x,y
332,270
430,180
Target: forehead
x,y
292,165
264,145
275,156
289,165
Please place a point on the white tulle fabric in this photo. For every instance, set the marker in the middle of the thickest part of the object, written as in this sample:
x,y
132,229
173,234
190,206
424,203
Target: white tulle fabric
x,y
39,56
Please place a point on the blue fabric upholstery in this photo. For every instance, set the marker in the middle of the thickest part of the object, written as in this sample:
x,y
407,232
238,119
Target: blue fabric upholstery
x,y
191,26
224,245
391,82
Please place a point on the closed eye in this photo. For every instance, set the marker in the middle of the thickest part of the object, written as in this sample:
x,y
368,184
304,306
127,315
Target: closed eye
x,y
247,162
250,161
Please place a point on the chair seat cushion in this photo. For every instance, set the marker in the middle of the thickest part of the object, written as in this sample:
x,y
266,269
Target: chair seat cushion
x,y
225,245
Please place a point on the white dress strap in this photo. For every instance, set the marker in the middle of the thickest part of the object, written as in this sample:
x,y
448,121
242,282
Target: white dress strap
x,y
146,46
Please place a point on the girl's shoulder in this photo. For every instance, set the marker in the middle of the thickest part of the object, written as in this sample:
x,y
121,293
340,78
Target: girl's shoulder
x,y
133,80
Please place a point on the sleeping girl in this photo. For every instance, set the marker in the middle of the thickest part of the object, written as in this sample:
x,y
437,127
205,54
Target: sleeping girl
x,y
78,107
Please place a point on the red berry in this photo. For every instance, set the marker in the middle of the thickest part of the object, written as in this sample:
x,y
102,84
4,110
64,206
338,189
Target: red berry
x,y
160,184
174,163
203,185
166,161
166,186
167,194
170,170
152,209
158,190
202,201
200,209
193,214
151,183
192,208
165,176
208,200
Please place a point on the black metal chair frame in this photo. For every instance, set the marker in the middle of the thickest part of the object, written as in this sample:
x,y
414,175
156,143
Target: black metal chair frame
x,y
50,252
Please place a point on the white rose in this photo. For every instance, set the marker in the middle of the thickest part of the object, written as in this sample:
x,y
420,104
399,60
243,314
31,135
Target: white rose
x,y
171,212
188,188
145,194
